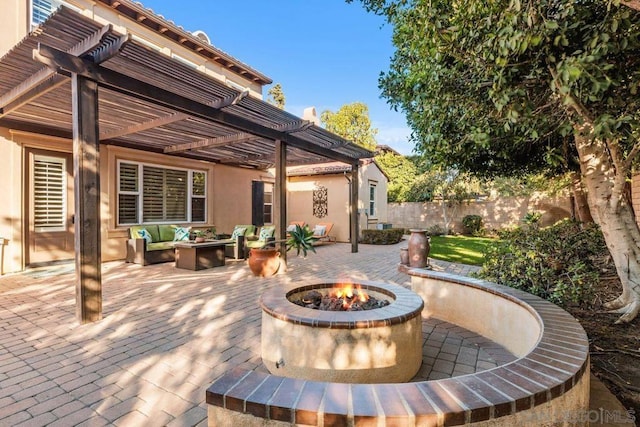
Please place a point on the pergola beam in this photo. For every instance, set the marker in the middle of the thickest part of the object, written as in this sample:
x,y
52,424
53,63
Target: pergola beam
x,y
121,83
211,142
46,79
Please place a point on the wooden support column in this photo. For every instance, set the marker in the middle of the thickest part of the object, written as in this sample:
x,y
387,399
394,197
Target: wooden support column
x,y
353,205
281,196
86,168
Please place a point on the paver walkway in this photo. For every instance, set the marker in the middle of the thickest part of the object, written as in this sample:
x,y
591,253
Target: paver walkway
x,y
167,334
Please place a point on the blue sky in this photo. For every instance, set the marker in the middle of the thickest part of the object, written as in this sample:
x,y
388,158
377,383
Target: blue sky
x,y
324,53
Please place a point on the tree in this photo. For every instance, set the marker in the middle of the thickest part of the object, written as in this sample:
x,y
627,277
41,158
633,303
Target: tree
x,y
276,96
351,122
510,87
401,172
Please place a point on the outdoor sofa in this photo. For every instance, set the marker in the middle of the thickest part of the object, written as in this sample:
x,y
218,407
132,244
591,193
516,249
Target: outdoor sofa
x,y
152,244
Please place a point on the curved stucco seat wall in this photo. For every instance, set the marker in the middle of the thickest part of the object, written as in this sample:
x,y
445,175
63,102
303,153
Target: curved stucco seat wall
x,y
547,385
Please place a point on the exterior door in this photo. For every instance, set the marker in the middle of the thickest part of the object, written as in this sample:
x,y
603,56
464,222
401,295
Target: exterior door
x,y
50,207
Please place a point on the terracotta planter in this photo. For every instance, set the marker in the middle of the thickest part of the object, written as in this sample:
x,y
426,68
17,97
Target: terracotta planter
x,y
419,248
199,239
404,256
264,262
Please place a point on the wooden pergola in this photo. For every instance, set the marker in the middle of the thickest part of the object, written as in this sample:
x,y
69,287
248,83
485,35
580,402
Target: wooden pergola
x,y
76,78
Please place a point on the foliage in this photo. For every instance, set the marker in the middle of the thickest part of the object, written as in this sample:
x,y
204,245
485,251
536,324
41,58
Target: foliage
x,y
472,224
532,219
302,240
275,96
401,172
460,249
390,236
486,85
436,230
351,122
558,263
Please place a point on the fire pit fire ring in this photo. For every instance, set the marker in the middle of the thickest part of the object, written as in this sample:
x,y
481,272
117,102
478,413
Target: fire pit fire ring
x,y
381,345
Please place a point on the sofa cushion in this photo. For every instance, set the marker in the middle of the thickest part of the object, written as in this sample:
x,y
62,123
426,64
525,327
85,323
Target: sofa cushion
x,y
167,233
159,246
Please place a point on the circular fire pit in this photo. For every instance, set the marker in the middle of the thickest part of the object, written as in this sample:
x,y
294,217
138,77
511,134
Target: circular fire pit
x,y
380,345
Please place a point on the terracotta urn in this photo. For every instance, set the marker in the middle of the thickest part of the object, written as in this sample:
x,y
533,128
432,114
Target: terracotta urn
x,y
199,239
404,256
264,262
419,248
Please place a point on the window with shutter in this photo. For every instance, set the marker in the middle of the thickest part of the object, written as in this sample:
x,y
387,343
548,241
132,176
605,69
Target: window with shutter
x,y
198,196
50,193
153,194
128,193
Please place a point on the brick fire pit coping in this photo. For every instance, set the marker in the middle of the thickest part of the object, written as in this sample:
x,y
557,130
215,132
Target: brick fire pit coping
x,y
405,305
557,365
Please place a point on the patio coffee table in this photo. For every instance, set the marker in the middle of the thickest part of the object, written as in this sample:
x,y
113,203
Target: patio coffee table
x,y
198,256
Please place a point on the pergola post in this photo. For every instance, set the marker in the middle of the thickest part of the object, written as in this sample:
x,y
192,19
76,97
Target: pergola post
x,y
353,211
86,168
281,196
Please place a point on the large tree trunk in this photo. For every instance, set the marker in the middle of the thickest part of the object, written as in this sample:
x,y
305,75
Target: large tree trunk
x,y
583,213
611,211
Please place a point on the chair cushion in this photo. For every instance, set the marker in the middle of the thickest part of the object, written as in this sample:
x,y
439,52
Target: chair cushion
x,y
291,227
266,232
238,231
144,234
319,230
181,234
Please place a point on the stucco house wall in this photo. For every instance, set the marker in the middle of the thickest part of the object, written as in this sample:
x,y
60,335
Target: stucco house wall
x,y
300,199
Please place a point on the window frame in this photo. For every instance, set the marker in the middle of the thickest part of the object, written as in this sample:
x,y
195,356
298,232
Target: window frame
x,y
140,193
372,208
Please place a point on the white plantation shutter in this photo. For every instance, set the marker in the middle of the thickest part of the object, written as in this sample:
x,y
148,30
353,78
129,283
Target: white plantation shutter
x,y
128,194
164,195
50,193
153,194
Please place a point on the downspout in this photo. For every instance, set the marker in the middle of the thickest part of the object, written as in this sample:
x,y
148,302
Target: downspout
x,y
349,181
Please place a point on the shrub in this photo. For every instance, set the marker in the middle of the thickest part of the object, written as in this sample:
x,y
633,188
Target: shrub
x,y
472,224
559,263
389,236
436,230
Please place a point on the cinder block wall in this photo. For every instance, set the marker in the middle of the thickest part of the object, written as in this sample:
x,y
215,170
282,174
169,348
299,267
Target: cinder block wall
x,y
496,214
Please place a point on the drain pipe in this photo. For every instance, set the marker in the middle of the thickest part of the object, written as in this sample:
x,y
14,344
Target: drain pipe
x,y
349,181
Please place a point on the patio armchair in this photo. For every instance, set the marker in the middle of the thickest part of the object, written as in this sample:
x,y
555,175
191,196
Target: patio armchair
x,y
239,236
266,235
321,233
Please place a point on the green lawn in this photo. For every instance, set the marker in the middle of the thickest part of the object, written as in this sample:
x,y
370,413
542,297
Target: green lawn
x,y
461,249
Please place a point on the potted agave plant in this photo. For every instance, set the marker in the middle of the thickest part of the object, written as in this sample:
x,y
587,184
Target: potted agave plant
x,y
265,261
301,239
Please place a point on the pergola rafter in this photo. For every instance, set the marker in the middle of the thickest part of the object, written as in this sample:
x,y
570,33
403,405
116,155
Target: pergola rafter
x,y
124,94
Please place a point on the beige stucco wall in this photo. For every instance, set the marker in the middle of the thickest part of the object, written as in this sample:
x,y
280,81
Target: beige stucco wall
x,y
496,214
300,200
232,195
15,22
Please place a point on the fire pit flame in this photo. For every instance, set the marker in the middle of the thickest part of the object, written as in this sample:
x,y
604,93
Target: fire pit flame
x,y
342,297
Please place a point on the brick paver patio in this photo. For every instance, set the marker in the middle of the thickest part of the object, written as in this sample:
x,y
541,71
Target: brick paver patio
x,y
166,335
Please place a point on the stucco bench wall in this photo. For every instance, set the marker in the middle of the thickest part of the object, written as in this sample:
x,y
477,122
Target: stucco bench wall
x,y
548,383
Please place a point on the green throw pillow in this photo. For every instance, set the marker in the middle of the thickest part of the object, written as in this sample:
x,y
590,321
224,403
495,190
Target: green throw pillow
x,y
144,234
181,234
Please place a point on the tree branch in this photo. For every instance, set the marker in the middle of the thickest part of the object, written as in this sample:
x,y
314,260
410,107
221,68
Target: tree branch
x,y
577,106
635,150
